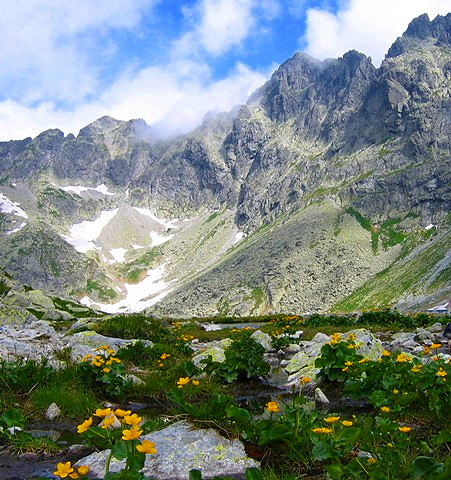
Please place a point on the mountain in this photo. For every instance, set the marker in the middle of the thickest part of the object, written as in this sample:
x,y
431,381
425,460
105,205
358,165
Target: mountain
x,y
328,190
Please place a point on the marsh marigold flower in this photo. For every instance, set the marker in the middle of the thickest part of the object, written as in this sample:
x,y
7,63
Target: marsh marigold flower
x,y
441,372
346,423
436,345
147,447
108,421
183,381
103,412
132,419
83,470
106,370
305,380
403,357
348,363
331,419
352,346
405,429
131,434
386,353
335,338
321,430
83,427
122,413
416,368
195,382
395,392
63,469
385,409
371,461
272,407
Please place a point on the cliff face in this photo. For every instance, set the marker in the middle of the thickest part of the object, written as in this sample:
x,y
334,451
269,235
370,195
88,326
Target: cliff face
x,y
333,171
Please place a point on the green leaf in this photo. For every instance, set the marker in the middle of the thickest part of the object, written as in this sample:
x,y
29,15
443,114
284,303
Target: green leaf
x,y
322,451
195,475
119,451
426,468
253,474
334,471
238,414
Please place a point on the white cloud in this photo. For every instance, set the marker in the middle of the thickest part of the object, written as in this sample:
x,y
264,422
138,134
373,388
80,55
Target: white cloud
x,y
163,96
369,26
46,45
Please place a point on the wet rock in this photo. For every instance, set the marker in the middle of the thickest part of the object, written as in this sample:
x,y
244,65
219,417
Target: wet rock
x,y
320,397
180,449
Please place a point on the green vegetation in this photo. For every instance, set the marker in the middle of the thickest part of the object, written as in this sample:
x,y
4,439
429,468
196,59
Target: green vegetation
x,y
134,271
98,287
402,276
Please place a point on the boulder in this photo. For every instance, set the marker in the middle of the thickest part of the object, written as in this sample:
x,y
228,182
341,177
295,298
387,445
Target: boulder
x,y
180,448
263,339
214,349
53,412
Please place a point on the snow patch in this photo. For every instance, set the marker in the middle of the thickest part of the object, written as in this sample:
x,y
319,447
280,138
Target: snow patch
x,y
103,189
162,221
431,225
135,247
17,229
158,239
137,297
238,236
118,254
8,206
82,235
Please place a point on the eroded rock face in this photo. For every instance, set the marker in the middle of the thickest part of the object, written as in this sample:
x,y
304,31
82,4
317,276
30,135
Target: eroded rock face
x,y
180,448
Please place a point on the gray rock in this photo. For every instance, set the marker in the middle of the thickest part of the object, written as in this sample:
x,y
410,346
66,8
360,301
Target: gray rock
x,y
320,397
263,339
180,449
53,412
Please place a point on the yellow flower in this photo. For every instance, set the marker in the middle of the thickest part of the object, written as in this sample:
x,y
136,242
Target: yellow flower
x,y
386,353
436,345
109,362
131,434
390,445
122,413
147,447
363,360
108,421
345,369
441,372
346,423
395,392
110,351
305,380
103,412
385,409
132,419
195,382
403,357
114,359
405,429
74,475
106,370
272,407
322,430
84,426
426,350
161,364
335,338
97,363
183,381
63,469
83,470
371,461
331,419
104,347
416,368
86,357
351,337
164,356
352,346
348,363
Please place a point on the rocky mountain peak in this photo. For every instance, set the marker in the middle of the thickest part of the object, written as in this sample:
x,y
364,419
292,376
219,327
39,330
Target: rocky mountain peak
x,y
420,29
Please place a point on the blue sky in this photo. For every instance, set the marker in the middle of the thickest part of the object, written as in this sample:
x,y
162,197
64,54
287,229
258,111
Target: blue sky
x,y
65,63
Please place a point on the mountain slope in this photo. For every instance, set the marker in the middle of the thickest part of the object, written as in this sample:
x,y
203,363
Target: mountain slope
x,y
327,190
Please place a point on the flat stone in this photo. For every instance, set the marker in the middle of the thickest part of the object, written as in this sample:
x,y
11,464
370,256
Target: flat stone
x,y
180,449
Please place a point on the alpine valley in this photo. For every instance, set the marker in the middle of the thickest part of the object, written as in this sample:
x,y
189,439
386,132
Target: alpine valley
x,y
327,191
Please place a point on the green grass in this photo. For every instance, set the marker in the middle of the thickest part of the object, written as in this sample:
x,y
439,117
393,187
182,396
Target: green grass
x,y
21,444
390,284
74,402
133,271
